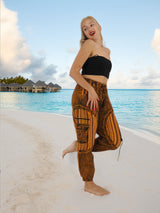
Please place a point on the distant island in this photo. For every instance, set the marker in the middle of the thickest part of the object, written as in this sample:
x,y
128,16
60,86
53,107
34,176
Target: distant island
x,y
20,84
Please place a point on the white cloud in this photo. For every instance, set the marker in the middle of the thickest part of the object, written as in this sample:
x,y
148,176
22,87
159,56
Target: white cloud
x,y
141,76
16,57
72,50
156,42
15,53
148,80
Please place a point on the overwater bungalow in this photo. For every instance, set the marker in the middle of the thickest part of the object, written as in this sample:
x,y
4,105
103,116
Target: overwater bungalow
x,y
15,87
40,86
28,86
53,87
4,87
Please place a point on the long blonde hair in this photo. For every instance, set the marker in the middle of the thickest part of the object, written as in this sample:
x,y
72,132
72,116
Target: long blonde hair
x,y
83,37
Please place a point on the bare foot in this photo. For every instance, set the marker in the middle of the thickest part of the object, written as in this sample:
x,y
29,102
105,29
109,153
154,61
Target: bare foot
x,y
70,148
91,187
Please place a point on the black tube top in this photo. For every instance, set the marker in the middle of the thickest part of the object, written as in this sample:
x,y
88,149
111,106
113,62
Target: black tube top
x,y
97,65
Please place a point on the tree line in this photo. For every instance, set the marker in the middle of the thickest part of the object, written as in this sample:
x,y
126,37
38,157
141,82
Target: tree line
x,y
19,80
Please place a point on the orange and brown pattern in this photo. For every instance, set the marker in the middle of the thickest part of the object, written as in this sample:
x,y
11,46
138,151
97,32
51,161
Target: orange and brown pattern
x,y
88,122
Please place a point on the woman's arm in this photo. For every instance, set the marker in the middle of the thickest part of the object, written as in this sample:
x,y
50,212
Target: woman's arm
x,y
84,52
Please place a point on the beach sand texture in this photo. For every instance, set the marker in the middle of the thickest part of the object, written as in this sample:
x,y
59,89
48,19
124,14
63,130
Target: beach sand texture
x,y
35,178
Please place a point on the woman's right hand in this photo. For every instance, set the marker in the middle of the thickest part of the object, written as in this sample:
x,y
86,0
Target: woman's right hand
x,y
93,99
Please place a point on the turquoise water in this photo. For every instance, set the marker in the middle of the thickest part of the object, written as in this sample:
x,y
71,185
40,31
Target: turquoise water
x,y
134,108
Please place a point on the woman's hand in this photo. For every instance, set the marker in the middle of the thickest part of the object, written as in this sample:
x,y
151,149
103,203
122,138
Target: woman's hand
x,y
92,99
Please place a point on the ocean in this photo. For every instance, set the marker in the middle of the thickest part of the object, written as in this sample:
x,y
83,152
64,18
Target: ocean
x,y
137,109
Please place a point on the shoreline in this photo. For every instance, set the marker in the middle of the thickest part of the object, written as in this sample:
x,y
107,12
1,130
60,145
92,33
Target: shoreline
x,y
36,179
155,138
142,115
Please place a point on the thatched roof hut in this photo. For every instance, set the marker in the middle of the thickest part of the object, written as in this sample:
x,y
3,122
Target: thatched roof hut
x,y
15,87
28,83
28,86
4,87
54,87
51,84
40,86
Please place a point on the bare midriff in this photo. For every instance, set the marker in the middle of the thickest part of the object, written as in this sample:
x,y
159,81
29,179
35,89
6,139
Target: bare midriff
x,y
101,79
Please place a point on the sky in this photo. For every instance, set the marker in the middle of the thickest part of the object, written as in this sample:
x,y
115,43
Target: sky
x,y
40,40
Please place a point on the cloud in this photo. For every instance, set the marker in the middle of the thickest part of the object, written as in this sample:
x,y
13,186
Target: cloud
x,y
140,77
138,80
150,80
63,75
41,71
72,50
155,44
16,57
15,53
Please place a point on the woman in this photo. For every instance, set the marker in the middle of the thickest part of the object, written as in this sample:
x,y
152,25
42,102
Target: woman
x,y
91,108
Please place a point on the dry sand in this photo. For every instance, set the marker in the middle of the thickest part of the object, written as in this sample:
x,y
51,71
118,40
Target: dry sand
x,y
35,178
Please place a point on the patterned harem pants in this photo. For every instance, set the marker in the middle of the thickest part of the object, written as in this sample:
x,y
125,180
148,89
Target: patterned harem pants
x,y
88,122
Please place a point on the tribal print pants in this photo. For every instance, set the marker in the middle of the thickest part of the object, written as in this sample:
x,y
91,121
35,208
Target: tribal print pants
x,y
88,122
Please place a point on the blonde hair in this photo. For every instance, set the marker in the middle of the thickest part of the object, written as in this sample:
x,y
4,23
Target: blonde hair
x,y
83,37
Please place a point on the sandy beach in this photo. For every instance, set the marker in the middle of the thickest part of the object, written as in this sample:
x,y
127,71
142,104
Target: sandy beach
x,y
36,179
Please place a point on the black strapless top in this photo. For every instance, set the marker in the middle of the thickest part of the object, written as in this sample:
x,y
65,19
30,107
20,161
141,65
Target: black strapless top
x,y
97,65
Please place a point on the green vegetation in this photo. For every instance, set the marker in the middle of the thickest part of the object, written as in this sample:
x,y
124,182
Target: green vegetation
x,y
19,80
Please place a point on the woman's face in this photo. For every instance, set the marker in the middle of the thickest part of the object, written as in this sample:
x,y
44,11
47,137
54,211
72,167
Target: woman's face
x,y
90,29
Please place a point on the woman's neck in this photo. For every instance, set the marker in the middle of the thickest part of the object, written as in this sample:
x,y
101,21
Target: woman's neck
x,y
99,41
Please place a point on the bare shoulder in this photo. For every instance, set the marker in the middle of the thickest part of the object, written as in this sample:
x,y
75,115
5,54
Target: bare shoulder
x,y
84,52
89,43
108,50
